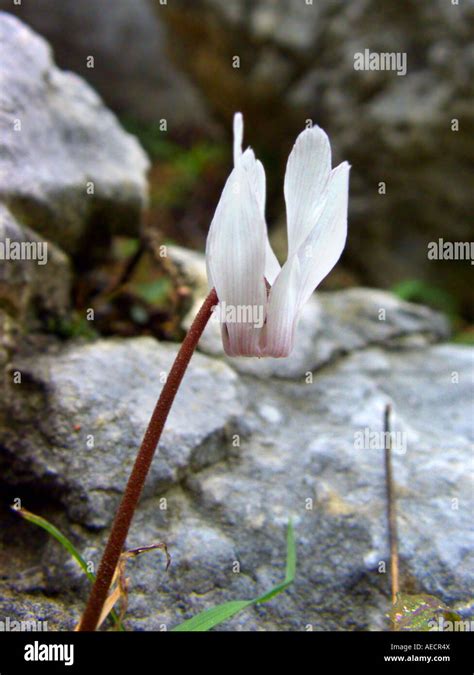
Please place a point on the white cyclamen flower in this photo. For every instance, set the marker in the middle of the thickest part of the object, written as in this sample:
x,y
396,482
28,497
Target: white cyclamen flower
x,y
241,264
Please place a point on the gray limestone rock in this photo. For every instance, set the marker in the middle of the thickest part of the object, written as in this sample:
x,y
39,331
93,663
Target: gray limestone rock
x,y
306,453
67,169
76,421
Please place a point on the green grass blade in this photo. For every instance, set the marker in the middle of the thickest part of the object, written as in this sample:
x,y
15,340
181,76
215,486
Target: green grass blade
x,y
66,543
216,615
212,617
290,567
59,536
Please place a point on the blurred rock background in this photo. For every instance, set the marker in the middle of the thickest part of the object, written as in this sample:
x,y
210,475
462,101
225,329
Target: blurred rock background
x,y
174,61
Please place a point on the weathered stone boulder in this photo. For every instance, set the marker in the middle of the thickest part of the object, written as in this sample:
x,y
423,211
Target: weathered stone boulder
x,y
68,170
35,284
241,454
99,398
131,69
33,272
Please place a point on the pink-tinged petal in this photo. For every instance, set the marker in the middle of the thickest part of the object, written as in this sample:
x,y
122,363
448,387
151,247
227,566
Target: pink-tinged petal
x,y
323,247
282,311
235,255
307,172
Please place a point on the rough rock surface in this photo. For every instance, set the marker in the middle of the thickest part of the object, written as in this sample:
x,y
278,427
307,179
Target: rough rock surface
x,y
99,398
67,168
33,290
34,614
240,456
43,281
131,68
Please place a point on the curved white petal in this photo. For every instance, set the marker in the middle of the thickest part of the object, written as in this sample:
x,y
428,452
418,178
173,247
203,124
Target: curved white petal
x,y
307,172
323,247
235,256
282,311
272,266
256,173
238,128
257,179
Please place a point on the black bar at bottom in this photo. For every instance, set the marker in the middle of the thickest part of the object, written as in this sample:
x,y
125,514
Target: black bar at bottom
x,y
141,652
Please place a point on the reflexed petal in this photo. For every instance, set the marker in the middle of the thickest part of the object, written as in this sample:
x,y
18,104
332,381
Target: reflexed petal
x,y
279,332
322,248
272,266
235,256
256,172
307,172
257,180
238,136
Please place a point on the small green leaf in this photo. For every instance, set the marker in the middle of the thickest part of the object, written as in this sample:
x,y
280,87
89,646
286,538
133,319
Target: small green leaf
x,y
213,617
465,337
416,290
420,613
125,247
153,292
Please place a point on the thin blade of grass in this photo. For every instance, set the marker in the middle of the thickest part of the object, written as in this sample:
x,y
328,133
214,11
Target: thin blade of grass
x,y
290,567
213,617
59,536
65,543
210,618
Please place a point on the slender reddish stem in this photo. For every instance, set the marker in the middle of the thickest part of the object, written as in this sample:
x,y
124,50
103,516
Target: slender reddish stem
x,y
136,481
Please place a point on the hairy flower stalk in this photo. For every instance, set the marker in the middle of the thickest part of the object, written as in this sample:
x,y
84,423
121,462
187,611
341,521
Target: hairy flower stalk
x,y
260,301
136,481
